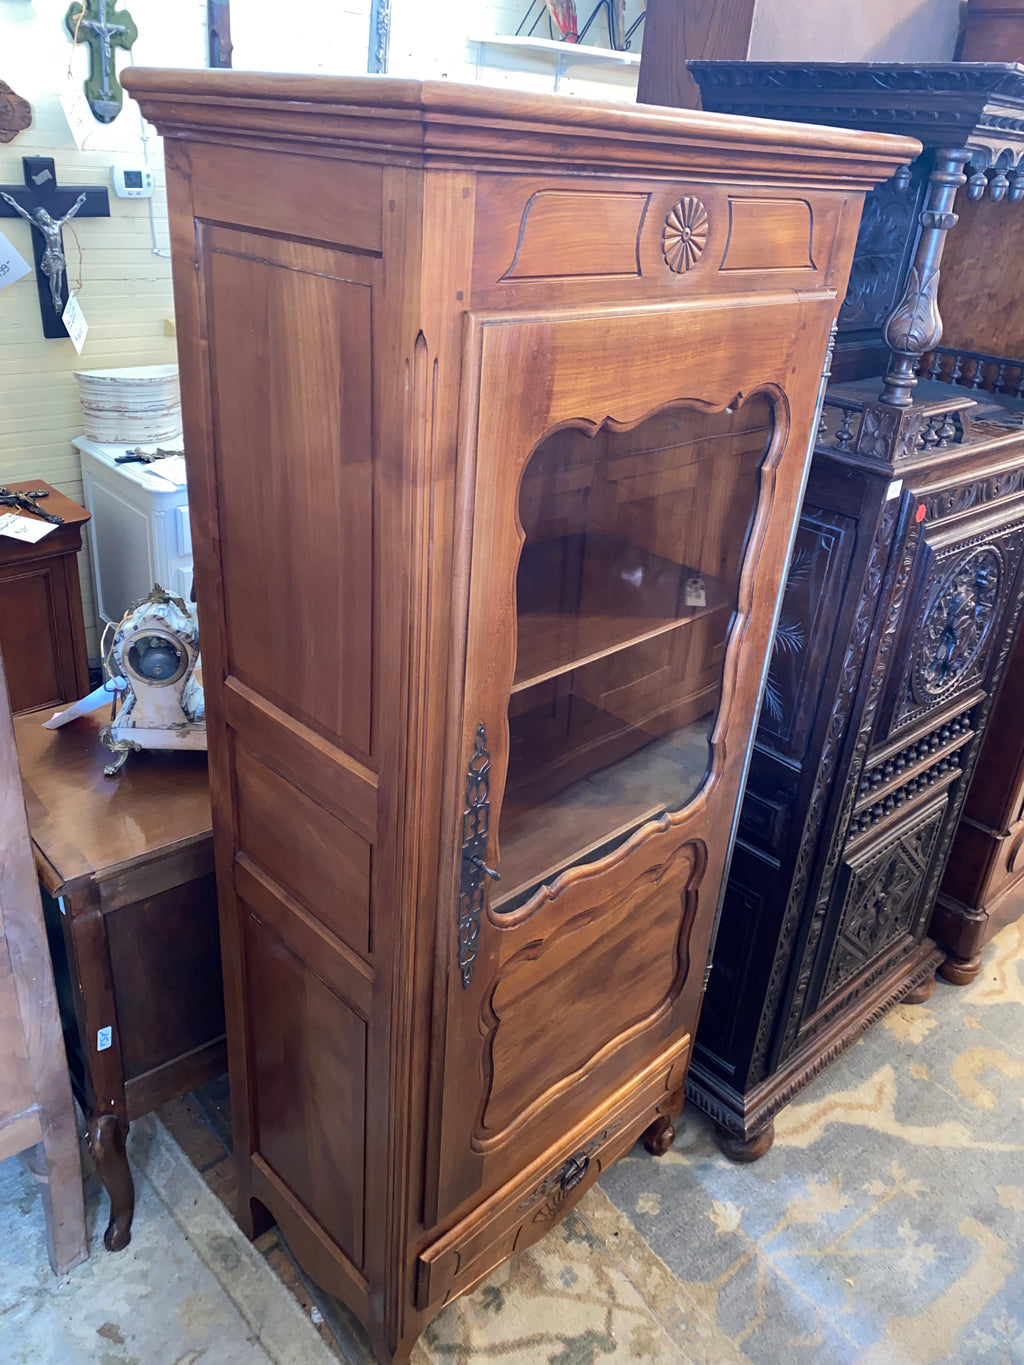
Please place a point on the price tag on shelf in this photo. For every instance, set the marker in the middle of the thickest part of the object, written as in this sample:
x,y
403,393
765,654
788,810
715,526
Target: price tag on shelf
x,y
696,593
24,528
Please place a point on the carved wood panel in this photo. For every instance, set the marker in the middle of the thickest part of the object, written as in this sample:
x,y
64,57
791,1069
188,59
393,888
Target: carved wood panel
x,y
814,587
948,641
880,892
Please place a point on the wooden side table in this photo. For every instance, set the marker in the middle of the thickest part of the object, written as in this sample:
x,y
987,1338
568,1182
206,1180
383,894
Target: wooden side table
x,y
42,631
126,867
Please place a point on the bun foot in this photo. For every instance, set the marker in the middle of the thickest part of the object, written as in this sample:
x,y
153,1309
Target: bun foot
x,y
920,993
659,1137
752,1148
960,971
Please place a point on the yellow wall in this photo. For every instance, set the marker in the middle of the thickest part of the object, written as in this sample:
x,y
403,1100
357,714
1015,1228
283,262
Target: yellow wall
x,y
126,289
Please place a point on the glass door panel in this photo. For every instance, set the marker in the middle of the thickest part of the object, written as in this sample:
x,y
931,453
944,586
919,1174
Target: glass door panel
x,y
626,588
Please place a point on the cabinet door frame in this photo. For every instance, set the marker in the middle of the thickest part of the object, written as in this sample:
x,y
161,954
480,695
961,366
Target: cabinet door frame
x,y
525,375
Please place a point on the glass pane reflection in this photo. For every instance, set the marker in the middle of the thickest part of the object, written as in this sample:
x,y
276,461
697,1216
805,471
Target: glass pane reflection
x,y
626,588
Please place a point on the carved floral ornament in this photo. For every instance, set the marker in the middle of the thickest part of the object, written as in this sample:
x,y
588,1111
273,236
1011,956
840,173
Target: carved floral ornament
x,y
957,624
685,235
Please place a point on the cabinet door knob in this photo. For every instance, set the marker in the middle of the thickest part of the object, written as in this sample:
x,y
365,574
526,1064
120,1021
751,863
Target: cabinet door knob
x,y
573,1172
479,862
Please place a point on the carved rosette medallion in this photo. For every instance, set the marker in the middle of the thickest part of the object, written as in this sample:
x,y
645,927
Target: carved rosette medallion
x,y
685,235
957,624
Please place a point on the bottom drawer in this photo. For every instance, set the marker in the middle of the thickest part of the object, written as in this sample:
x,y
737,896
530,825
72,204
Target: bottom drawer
x,y
519,1213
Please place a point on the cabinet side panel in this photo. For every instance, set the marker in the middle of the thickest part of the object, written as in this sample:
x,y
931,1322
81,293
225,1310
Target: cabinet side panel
x,y
285,832
27,608
309,1065
290,368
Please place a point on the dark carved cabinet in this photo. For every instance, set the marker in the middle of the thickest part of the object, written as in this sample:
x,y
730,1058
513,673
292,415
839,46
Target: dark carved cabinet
x,y
497,410
900,609
981,890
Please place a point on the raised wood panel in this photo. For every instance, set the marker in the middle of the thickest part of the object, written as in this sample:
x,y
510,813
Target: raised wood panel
x,y
769,234
334,962
612,964
27,607
333,779
168,937
294,468
567,233
296,196
280,828
309,1081
529,237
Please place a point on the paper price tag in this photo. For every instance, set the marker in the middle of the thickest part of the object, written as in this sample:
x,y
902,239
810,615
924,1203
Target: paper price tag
x,y
12,263
24,528
696,593
74,322
77,111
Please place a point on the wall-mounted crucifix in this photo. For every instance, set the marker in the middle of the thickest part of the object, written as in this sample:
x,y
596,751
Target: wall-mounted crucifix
x,y
103,31
48,207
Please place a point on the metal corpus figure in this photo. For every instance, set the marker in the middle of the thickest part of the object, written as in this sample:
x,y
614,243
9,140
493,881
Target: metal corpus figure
x,y
53,264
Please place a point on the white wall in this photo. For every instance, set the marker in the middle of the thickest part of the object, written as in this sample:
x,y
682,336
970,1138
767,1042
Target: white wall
x,y
326,37
855,30
126,289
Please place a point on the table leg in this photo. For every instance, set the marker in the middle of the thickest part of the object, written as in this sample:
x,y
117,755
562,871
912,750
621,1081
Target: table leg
x,y
106,1143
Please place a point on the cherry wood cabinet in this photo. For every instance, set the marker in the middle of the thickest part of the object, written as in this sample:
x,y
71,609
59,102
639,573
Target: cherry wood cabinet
x,y
42,628
497,412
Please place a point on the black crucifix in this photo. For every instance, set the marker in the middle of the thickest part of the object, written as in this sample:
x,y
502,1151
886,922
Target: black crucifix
x,y
48,207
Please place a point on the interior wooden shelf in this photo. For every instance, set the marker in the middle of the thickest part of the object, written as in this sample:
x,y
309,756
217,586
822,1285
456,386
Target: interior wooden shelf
x,y
555,817
629,595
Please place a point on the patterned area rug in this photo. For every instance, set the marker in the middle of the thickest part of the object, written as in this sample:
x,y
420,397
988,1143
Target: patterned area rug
x,y
887,1223
885,1227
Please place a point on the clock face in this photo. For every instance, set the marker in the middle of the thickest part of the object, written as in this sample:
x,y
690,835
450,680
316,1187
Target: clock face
x,y
156,659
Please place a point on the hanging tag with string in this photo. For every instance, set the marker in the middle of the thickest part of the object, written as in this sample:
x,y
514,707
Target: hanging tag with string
x,y
72,317
72,101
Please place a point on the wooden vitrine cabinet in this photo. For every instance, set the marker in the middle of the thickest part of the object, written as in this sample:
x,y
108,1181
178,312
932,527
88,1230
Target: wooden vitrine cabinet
x,y
497,413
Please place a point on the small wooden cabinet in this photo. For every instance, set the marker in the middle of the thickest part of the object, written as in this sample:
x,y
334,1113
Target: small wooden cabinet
x,y
42,630
126,871
497,411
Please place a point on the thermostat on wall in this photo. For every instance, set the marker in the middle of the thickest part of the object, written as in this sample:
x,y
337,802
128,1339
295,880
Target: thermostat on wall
x,y
132,182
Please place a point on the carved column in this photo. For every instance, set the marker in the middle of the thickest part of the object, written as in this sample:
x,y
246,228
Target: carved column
x,y
914,326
